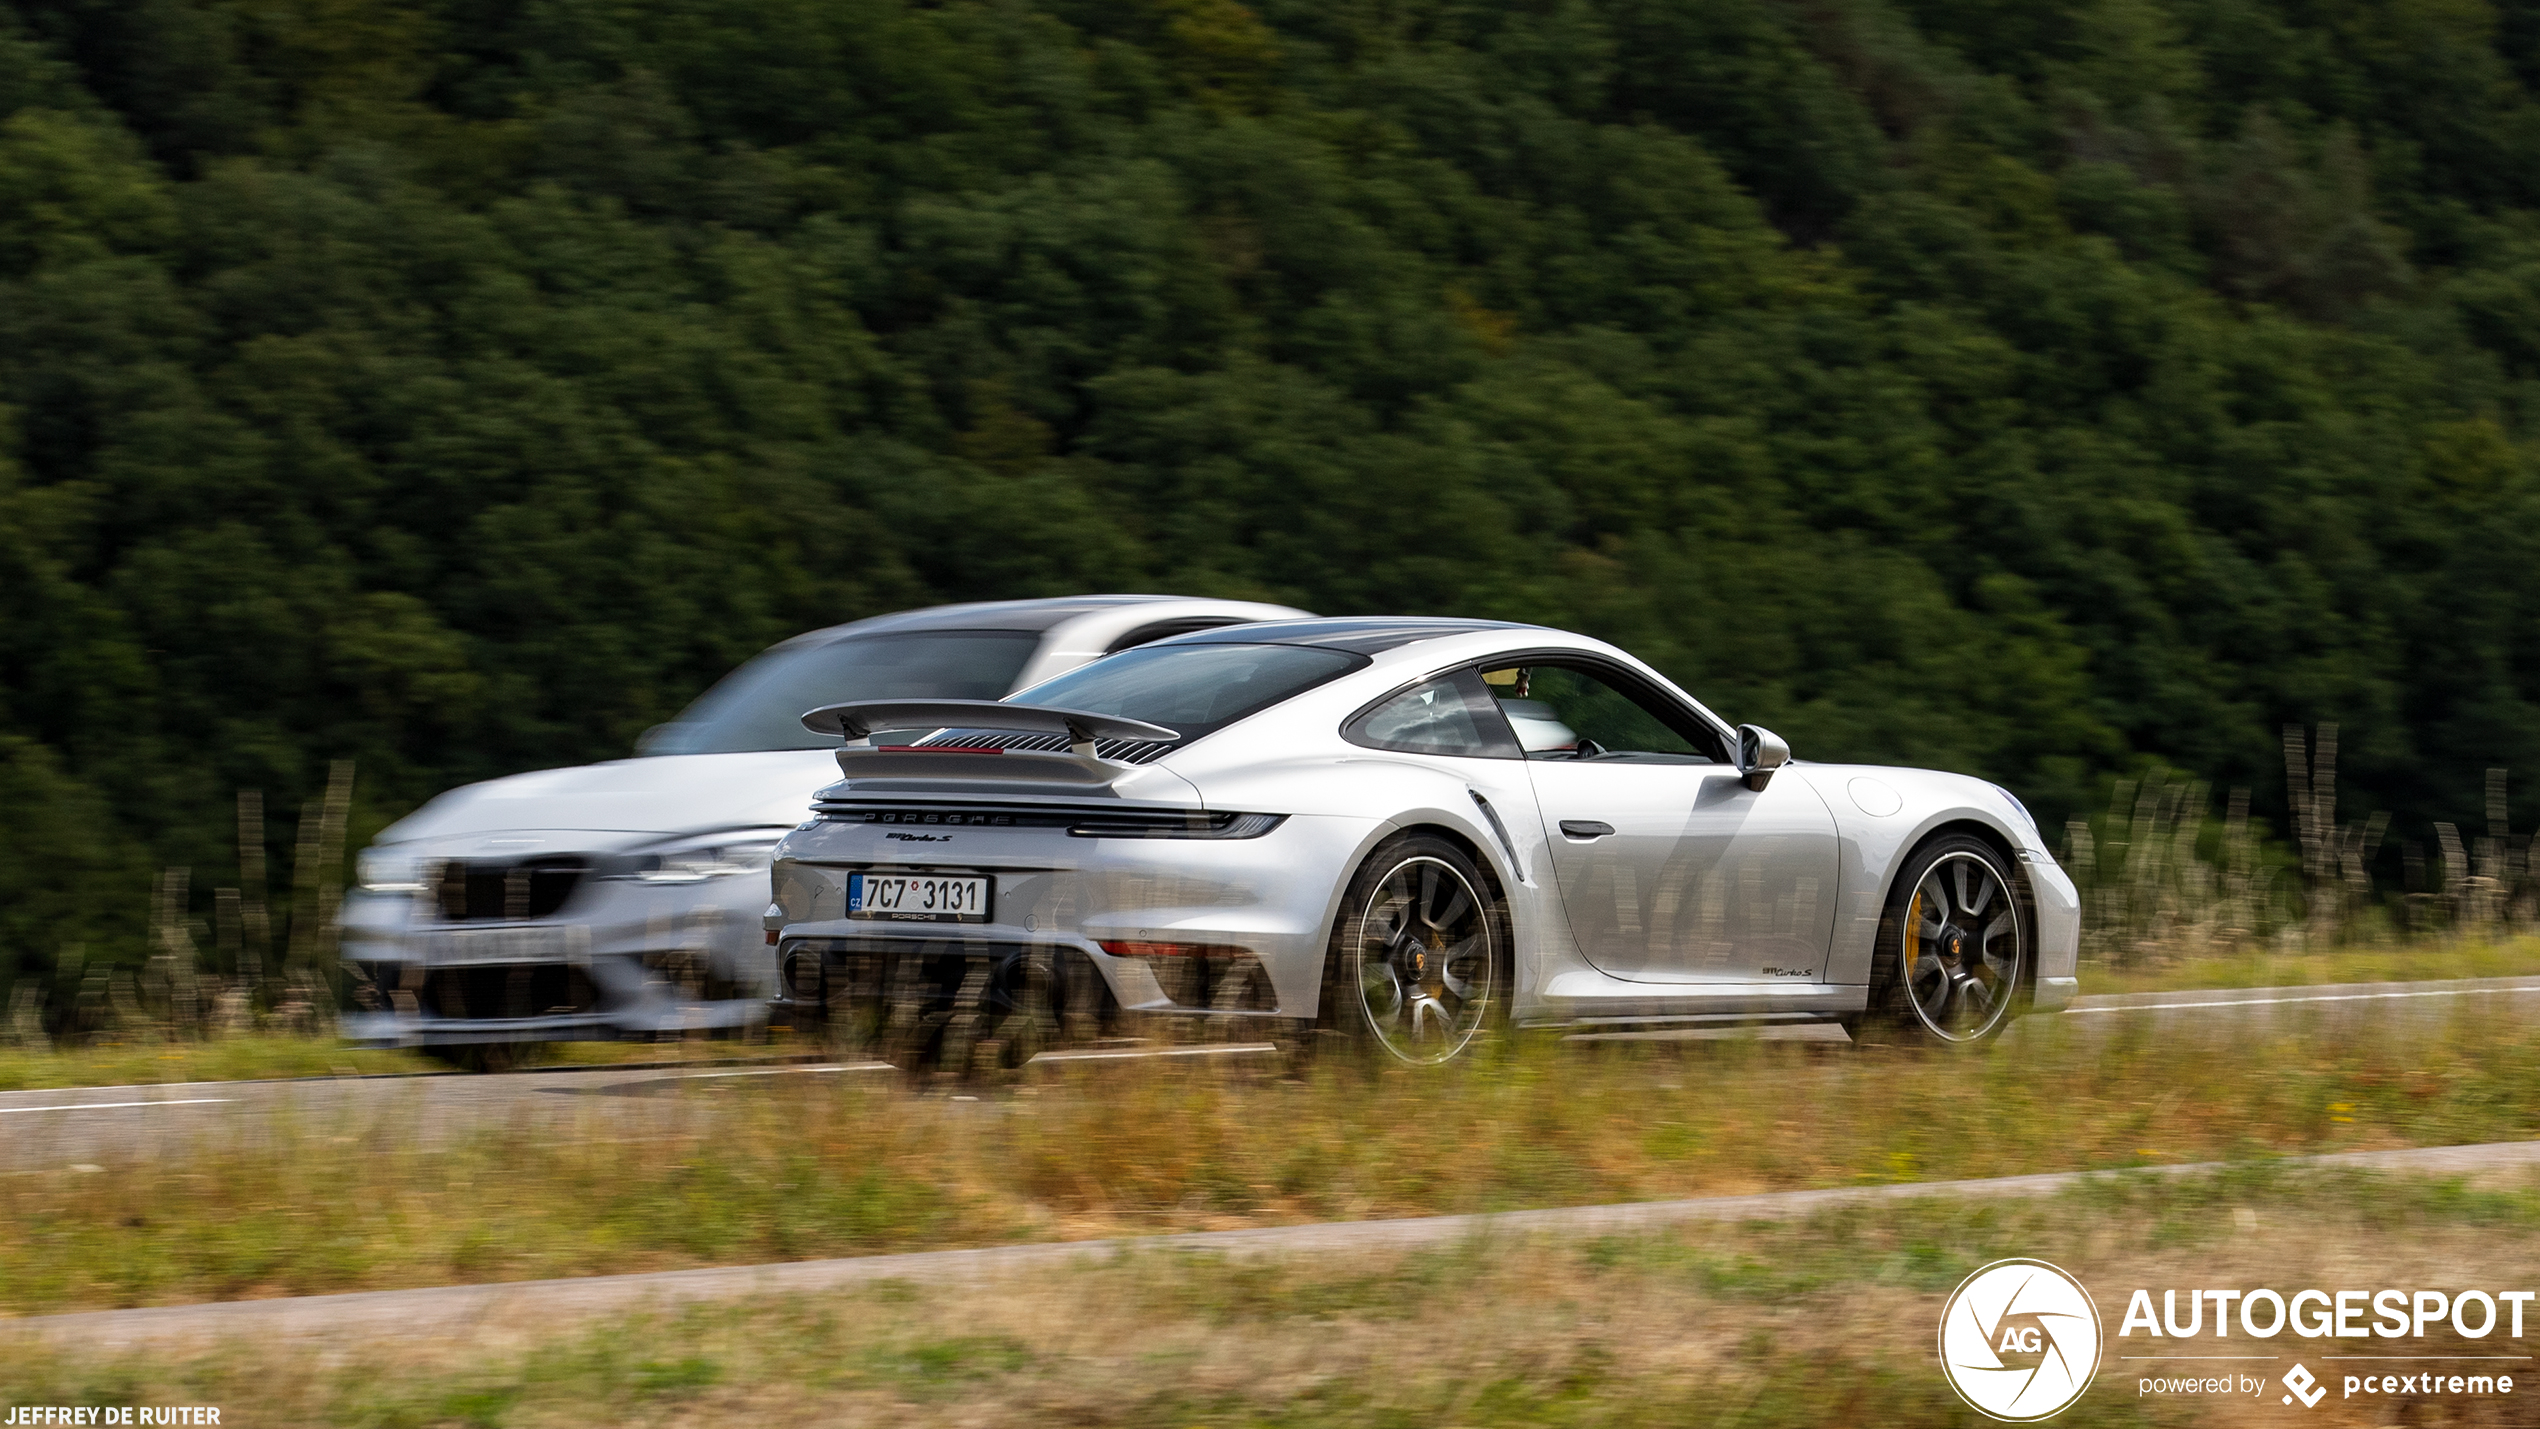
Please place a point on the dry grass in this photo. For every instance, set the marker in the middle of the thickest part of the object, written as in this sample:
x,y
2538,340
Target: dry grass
x,y
783,1170
1824,1322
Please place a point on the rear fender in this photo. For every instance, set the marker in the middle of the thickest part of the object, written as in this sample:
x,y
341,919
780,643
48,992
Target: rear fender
x,y
1487,804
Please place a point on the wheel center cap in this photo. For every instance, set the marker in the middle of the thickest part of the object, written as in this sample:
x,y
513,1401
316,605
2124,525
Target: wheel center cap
x,y
1957,945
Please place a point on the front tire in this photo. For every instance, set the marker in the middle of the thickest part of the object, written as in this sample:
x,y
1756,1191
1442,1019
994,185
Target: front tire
x,y
1953,948
1418,969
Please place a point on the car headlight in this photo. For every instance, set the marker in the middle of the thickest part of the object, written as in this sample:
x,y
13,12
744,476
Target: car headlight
x,y
697,861
389,868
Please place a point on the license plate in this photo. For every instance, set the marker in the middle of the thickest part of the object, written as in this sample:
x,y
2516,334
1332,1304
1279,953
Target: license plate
x,y
918,897
546,943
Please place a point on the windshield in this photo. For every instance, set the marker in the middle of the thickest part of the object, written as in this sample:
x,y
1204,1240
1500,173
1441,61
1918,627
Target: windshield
x,y
761,705
1193,689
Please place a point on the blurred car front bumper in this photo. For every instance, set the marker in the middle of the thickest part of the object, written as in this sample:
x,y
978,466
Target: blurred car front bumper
x,y
609,959
397,1029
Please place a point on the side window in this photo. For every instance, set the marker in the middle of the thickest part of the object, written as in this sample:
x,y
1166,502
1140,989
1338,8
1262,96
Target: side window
x,y
1567,712
1454,714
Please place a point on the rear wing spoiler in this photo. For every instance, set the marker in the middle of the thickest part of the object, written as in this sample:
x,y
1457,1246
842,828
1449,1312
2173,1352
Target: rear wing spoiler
x,y
856,721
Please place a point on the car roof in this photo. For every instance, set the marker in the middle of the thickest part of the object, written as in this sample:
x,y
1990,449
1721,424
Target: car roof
x,y
1359,635
1030,615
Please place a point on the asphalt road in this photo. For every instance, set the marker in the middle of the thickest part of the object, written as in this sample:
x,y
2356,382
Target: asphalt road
x,y
102,1125
95,1125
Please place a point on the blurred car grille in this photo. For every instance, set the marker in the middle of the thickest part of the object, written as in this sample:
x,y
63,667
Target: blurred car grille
x,y
505,990
486,892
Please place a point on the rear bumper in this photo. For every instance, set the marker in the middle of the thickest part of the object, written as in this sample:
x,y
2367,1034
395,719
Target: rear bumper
x,y
826,965
1259,908
2055,993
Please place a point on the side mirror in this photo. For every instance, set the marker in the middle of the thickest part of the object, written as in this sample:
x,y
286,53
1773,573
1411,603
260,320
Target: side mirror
x,y
1759,753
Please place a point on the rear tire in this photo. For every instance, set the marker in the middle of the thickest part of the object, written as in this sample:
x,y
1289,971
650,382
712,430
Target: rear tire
x,y
1418,970
1953,957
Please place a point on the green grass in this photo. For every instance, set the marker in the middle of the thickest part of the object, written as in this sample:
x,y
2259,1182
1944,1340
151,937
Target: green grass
x,y
266,1057
793,1168
227,1059
1827,1321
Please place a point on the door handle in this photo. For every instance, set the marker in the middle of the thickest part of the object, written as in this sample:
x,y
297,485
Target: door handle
x,y
1585,828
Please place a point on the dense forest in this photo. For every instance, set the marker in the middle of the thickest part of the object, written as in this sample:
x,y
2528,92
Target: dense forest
x,y
2041,388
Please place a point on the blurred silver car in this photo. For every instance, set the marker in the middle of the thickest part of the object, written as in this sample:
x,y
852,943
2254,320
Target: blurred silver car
x,y
624,899
1397,831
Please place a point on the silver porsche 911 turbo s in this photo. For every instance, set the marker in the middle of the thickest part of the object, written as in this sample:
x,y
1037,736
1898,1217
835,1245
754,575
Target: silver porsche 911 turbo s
x,y
622,899
1399,831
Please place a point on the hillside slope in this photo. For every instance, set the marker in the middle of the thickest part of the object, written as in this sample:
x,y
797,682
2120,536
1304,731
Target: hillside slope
x,y
2030,388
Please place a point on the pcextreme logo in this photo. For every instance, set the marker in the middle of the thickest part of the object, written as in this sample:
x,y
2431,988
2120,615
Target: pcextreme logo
x,y
2019,1340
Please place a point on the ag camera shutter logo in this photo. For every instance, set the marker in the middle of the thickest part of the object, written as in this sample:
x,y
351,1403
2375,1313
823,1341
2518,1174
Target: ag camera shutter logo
x,y
2019,1340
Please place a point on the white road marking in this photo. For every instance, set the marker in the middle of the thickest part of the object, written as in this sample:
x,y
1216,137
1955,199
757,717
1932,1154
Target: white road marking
x,y
101,1106
2324,997
1160,1052
794,1071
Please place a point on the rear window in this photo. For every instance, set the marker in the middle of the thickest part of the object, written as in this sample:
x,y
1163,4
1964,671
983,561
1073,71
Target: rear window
x,y
1192,689
761,705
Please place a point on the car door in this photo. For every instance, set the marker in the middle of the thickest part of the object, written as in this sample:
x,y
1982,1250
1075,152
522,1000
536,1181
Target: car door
x,y
1671,869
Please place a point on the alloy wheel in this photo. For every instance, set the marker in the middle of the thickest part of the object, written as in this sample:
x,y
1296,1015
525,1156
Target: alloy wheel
x,y
1964,943
1425,961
